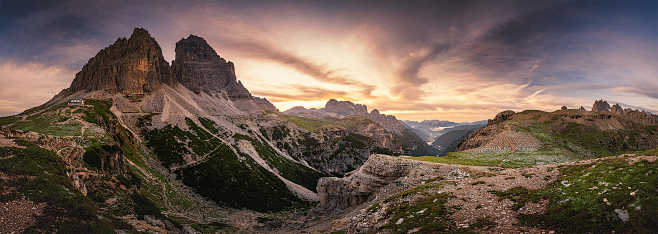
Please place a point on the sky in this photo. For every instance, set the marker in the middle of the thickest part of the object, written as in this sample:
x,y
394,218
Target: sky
x,y
447,60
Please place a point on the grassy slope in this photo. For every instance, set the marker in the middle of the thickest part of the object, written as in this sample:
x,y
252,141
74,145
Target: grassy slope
x,y
230,179
41,177
592,197
563,141
421,209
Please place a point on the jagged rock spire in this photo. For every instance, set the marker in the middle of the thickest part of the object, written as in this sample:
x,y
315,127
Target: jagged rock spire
x,y
600,106
129,66
198,67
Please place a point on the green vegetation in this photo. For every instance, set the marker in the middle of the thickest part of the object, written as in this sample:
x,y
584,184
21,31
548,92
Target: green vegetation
x,y
238,182
100,114
8,120
290,170
144,206
506,160
519,195
429,214
49,123
596,198
653,152
40,176
231,179
306,123
97,155
209,125
425,212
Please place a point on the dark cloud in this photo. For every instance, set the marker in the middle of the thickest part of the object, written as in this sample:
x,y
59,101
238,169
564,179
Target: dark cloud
x,y
409,78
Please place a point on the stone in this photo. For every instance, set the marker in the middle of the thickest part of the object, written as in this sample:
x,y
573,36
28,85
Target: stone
x,y
622,214
600,106
199,68
129,66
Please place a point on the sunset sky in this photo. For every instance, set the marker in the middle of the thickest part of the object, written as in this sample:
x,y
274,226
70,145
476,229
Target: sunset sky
x,y
448,60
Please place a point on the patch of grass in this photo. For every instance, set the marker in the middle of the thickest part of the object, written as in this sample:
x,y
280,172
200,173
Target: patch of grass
x,y
652,152
144,206
519,195
8,120
426,215
238,182
210,228
290,170
308,124
593,197
230,179
505,160
209,125
48,123
424,189
41,177
99,114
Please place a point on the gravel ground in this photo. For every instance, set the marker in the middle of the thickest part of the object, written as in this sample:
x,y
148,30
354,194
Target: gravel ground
x,y
17,215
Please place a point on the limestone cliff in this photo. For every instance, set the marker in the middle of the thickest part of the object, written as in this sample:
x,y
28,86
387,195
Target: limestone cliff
x,y
199,68
129,66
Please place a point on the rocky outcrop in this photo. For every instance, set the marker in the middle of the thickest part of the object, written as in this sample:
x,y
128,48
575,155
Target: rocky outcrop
x,y
129,66
617,109
501,117
345,108
373,177
199,68
600,106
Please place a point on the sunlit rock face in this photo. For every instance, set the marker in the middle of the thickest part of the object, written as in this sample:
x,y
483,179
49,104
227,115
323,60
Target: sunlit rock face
x,y
129,66
200,68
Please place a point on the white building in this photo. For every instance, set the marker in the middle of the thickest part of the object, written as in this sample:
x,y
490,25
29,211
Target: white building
x,y
76,102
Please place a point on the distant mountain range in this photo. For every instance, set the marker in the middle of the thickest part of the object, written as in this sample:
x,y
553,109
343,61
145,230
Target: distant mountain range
x,y
429,130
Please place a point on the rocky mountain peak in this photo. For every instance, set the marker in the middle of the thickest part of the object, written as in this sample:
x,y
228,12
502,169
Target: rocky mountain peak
x,y
345,108
198,67
600,106
129,66
617,109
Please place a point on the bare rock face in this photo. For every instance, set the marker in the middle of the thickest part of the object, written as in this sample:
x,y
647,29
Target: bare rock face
x,y
345,108
501,117
600,106
381,173
378,171
198,67
617,109
129,66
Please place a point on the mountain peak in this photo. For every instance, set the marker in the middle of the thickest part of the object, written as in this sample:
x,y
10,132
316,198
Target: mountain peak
x,y
345,107
140,33
129,66
211,73
600,106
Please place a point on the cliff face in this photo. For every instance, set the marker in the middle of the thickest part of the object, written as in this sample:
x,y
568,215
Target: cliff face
x,y
380,174
199,68
600,106
129,66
